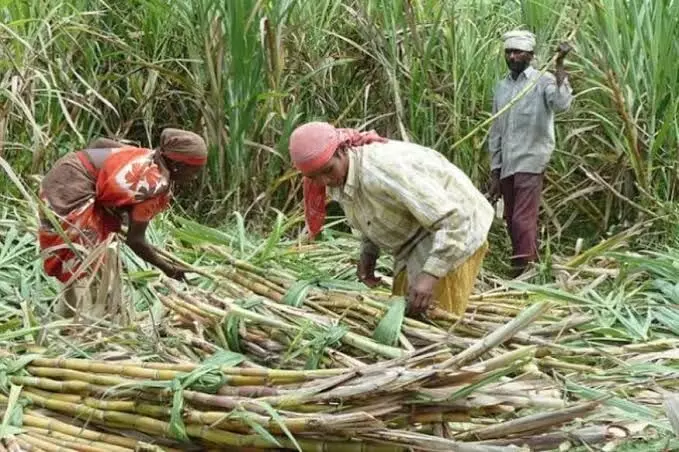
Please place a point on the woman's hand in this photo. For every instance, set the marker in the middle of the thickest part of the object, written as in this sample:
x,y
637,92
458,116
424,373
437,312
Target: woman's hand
x,y
175,273
366,270
421,293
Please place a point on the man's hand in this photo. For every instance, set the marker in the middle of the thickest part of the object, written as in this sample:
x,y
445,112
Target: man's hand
x,y
494,192
175,273
563,50
366,270
421,293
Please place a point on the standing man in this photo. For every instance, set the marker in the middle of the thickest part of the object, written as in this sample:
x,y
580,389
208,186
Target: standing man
x,y
522,140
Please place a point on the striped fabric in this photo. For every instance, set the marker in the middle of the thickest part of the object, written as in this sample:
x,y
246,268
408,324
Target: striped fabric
x,y
412,202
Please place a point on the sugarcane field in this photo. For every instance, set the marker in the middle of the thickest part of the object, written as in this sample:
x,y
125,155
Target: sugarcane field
x,y
339,225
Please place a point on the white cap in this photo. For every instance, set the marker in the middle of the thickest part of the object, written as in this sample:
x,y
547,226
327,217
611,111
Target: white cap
x,y
519,40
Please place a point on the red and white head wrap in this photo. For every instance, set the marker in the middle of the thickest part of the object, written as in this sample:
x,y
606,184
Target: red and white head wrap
x,y
312,146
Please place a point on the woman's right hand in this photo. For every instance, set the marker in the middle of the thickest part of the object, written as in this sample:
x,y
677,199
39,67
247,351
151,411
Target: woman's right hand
x,y
366,270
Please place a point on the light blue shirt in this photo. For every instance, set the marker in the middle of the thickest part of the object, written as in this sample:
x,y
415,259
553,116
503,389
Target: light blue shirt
x,y
522,138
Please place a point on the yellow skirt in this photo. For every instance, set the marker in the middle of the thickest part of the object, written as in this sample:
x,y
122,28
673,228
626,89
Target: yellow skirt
x,y
453,291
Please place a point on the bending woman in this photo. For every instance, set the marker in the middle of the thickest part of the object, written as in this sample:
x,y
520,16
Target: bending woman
x,y
90,192
404,198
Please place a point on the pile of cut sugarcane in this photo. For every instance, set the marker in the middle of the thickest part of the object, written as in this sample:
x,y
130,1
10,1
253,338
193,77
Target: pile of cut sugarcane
x,y
259,357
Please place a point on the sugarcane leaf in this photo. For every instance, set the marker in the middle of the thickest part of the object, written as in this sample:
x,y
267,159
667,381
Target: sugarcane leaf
x,y
279,420
260,430
671,405
323,338
389,328
196,233
242,237
634,410
264,251
12,419
296,295
468,390
9,325
20,363
230,327
208,377
224,358
342,285
177,429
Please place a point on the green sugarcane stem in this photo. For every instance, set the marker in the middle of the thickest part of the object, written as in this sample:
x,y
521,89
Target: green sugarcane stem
x,y
172,258
512,295
105,367
77,440
259,289
26,445
67,374
182,311
299,375
196,307
247,266
145,424
74,387
34,419
43,445
497,337
313,424
263,281
404,421
63,443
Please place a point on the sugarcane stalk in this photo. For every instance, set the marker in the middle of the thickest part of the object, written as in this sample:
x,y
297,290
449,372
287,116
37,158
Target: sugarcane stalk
x,y
504,360
247,266
63,443
27,446
535,422
40,444
78,442
558,364
34,419
550,441
264,281
497,337
105,367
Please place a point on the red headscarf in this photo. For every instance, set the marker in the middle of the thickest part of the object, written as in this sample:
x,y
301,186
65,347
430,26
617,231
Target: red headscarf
x,y
312,145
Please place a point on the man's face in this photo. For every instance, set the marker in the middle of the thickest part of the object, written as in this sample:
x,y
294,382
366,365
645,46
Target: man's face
x,y
517,60
333,173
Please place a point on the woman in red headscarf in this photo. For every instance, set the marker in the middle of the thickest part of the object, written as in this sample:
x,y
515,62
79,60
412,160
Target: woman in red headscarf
x,y
403,198
89,192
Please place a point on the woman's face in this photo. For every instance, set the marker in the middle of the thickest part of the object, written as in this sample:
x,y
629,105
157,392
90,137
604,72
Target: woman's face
x,y
181,174
333,173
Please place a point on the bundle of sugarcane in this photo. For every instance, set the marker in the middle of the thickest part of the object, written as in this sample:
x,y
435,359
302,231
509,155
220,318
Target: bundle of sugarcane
x,y
391,405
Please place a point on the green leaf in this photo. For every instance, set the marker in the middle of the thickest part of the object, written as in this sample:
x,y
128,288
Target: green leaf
x,y
389,328
230,327
260,430
296,295
279,420
177,429
633,410
12,420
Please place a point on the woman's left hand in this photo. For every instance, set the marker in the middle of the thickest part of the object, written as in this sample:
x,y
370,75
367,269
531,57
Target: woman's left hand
x,y
176,273
421,293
